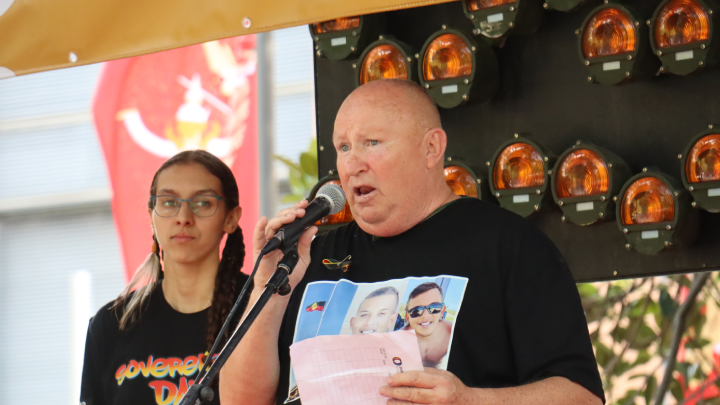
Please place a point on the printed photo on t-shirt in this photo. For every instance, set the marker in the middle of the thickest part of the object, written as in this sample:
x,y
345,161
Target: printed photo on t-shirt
x,y
427,305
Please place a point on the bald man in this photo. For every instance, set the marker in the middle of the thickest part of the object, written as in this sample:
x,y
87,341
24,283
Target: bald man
x,y
521,335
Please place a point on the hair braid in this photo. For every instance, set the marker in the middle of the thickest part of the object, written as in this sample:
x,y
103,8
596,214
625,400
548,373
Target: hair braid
x,y
226,282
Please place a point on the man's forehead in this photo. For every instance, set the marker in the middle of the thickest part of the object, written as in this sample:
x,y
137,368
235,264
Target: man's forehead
x,y
434,293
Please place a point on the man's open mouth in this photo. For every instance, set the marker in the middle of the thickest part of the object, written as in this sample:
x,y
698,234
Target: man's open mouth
x,y
368,331
363,190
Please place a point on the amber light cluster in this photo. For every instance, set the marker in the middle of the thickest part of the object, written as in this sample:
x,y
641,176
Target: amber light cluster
x,y
338,24
681,36
700,166
341,217
648,200
609,32
383,61
519,175
462,181
681,22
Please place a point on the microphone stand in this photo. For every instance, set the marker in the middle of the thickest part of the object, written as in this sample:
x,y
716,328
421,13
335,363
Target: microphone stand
x,y
200,391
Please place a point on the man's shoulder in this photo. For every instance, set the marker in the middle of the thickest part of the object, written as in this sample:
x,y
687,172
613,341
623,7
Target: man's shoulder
x,y
477,215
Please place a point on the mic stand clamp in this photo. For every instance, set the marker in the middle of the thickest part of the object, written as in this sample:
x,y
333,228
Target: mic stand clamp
x,y
200,392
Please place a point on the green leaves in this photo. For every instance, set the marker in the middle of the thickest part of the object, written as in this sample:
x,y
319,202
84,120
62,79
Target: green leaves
x,y
302,175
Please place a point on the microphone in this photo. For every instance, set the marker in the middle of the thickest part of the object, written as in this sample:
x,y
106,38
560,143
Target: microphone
x,y
329,200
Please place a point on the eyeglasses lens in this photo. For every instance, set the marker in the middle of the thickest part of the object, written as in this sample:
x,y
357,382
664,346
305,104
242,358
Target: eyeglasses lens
x,y
200,205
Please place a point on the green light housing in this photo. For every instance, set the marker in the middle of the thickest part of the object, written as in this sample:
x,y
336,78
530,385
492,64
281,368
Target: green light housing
x,y
341,38
562,5
495,19
653,211
518,175
612,45
681,35
584,179
455,68
700,169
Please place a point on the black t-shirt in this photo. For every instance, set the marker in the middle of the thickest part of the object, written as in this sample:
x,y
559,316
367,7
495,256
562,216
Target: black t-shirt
x,y
151,363
521,320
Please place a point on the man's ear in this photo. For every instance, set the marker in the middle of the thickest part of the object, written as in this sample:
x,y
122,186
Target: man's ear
x,y
435,143
352,320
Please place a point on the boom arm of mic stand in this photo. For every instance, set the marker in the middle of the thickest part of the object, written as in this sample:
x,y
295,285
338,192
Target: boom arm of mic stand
x,y
200,391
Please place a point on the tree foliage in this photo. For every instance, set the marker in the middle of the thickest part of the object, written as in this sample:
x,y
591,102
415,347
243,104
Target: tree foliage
x,y
632,324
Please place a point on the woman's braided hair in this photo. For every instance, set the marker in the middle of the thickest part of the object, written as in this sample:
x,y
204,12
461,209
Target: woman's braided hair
x,y
233,255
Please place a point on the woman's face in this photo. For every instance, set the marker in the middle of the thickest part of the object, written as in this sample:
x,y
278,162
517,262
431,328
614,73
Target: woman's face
x,y
187,238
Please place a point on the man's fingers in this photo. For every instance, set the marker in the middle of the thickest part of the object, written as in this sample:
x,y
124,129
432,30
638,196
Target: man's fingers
x,y
305,241
407,394
419,379
259,238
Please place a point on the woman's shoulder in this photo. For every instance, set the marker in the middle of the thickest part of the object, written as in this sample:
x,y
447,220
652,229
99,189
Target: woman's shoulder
x,y
106,320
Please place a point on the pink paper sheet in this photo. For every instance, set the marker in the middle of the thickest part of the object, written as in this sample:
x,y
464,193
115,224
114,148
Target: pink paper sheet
x,y
350,369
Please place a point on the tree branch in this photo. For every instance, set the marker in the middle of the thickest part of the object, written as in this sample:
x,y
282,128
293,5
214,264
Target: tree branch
x,y
678,328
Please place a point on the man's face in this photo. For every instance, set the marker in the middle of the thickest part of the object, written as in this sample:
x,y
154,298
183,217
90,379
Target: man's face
x,y
382,166
425,324
376,314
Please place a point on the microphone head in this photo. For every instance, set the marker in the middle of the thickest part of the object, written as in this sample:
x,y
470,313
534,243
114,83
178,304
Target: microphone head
x,y
335,195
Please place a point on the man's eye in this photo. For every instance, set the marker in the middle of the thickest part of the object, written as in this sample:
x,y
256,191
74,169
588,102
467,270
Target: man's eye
x,y
374,142
344,148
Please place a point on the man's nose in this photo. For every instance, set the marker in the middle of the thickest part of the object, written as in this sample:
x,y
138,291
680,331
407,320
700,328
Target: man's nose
x,y
355,164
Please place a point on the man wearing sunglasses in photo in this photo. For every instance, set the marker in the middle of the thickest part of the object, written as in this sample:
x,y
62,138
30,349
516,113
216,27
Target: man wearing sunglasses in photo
x,y
426,315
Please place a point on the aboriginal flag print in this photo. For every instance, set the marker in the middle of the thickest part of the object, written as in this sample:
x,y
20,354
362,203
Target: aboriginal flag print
x,y
315,306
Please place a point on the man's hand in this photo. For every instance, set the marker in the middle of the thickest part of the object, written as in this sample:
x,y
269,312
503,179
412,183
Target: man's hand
x,y
265,229
431,386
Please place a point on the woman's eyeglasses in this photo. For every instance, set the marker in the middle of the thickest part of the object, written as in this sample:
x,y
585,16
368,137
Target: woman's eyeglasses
x,y
434,308
201,205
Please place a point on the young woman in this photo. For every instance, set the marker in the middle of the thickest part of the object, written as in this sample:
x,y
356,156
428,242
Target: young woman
x,y
149,345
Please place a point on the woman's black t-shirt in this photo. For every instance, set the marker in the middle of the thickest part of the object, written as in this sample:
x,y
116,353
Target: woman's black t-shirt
x,y
151,363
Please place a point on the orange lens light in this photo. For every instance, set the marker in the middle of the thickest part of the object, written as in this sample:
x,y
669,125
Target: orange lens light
x,y
383,62
461,181
475,5
341,217
519,166
609,32
338,24
703,163
582,172
447,57
681,22
648,200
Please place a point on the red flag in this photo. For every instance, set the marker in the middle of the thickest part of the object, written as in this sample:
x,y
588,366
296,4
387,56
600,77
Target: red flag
x,y
148,108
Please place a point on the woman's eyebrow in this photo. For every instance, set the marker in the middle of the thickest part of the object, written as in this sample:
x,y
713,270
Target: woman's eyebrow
x,y
206,191
169,191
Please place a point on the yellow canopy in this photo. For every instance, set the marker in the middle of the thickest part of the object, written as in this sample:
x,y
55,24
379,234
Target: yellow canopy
x,y
38,35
